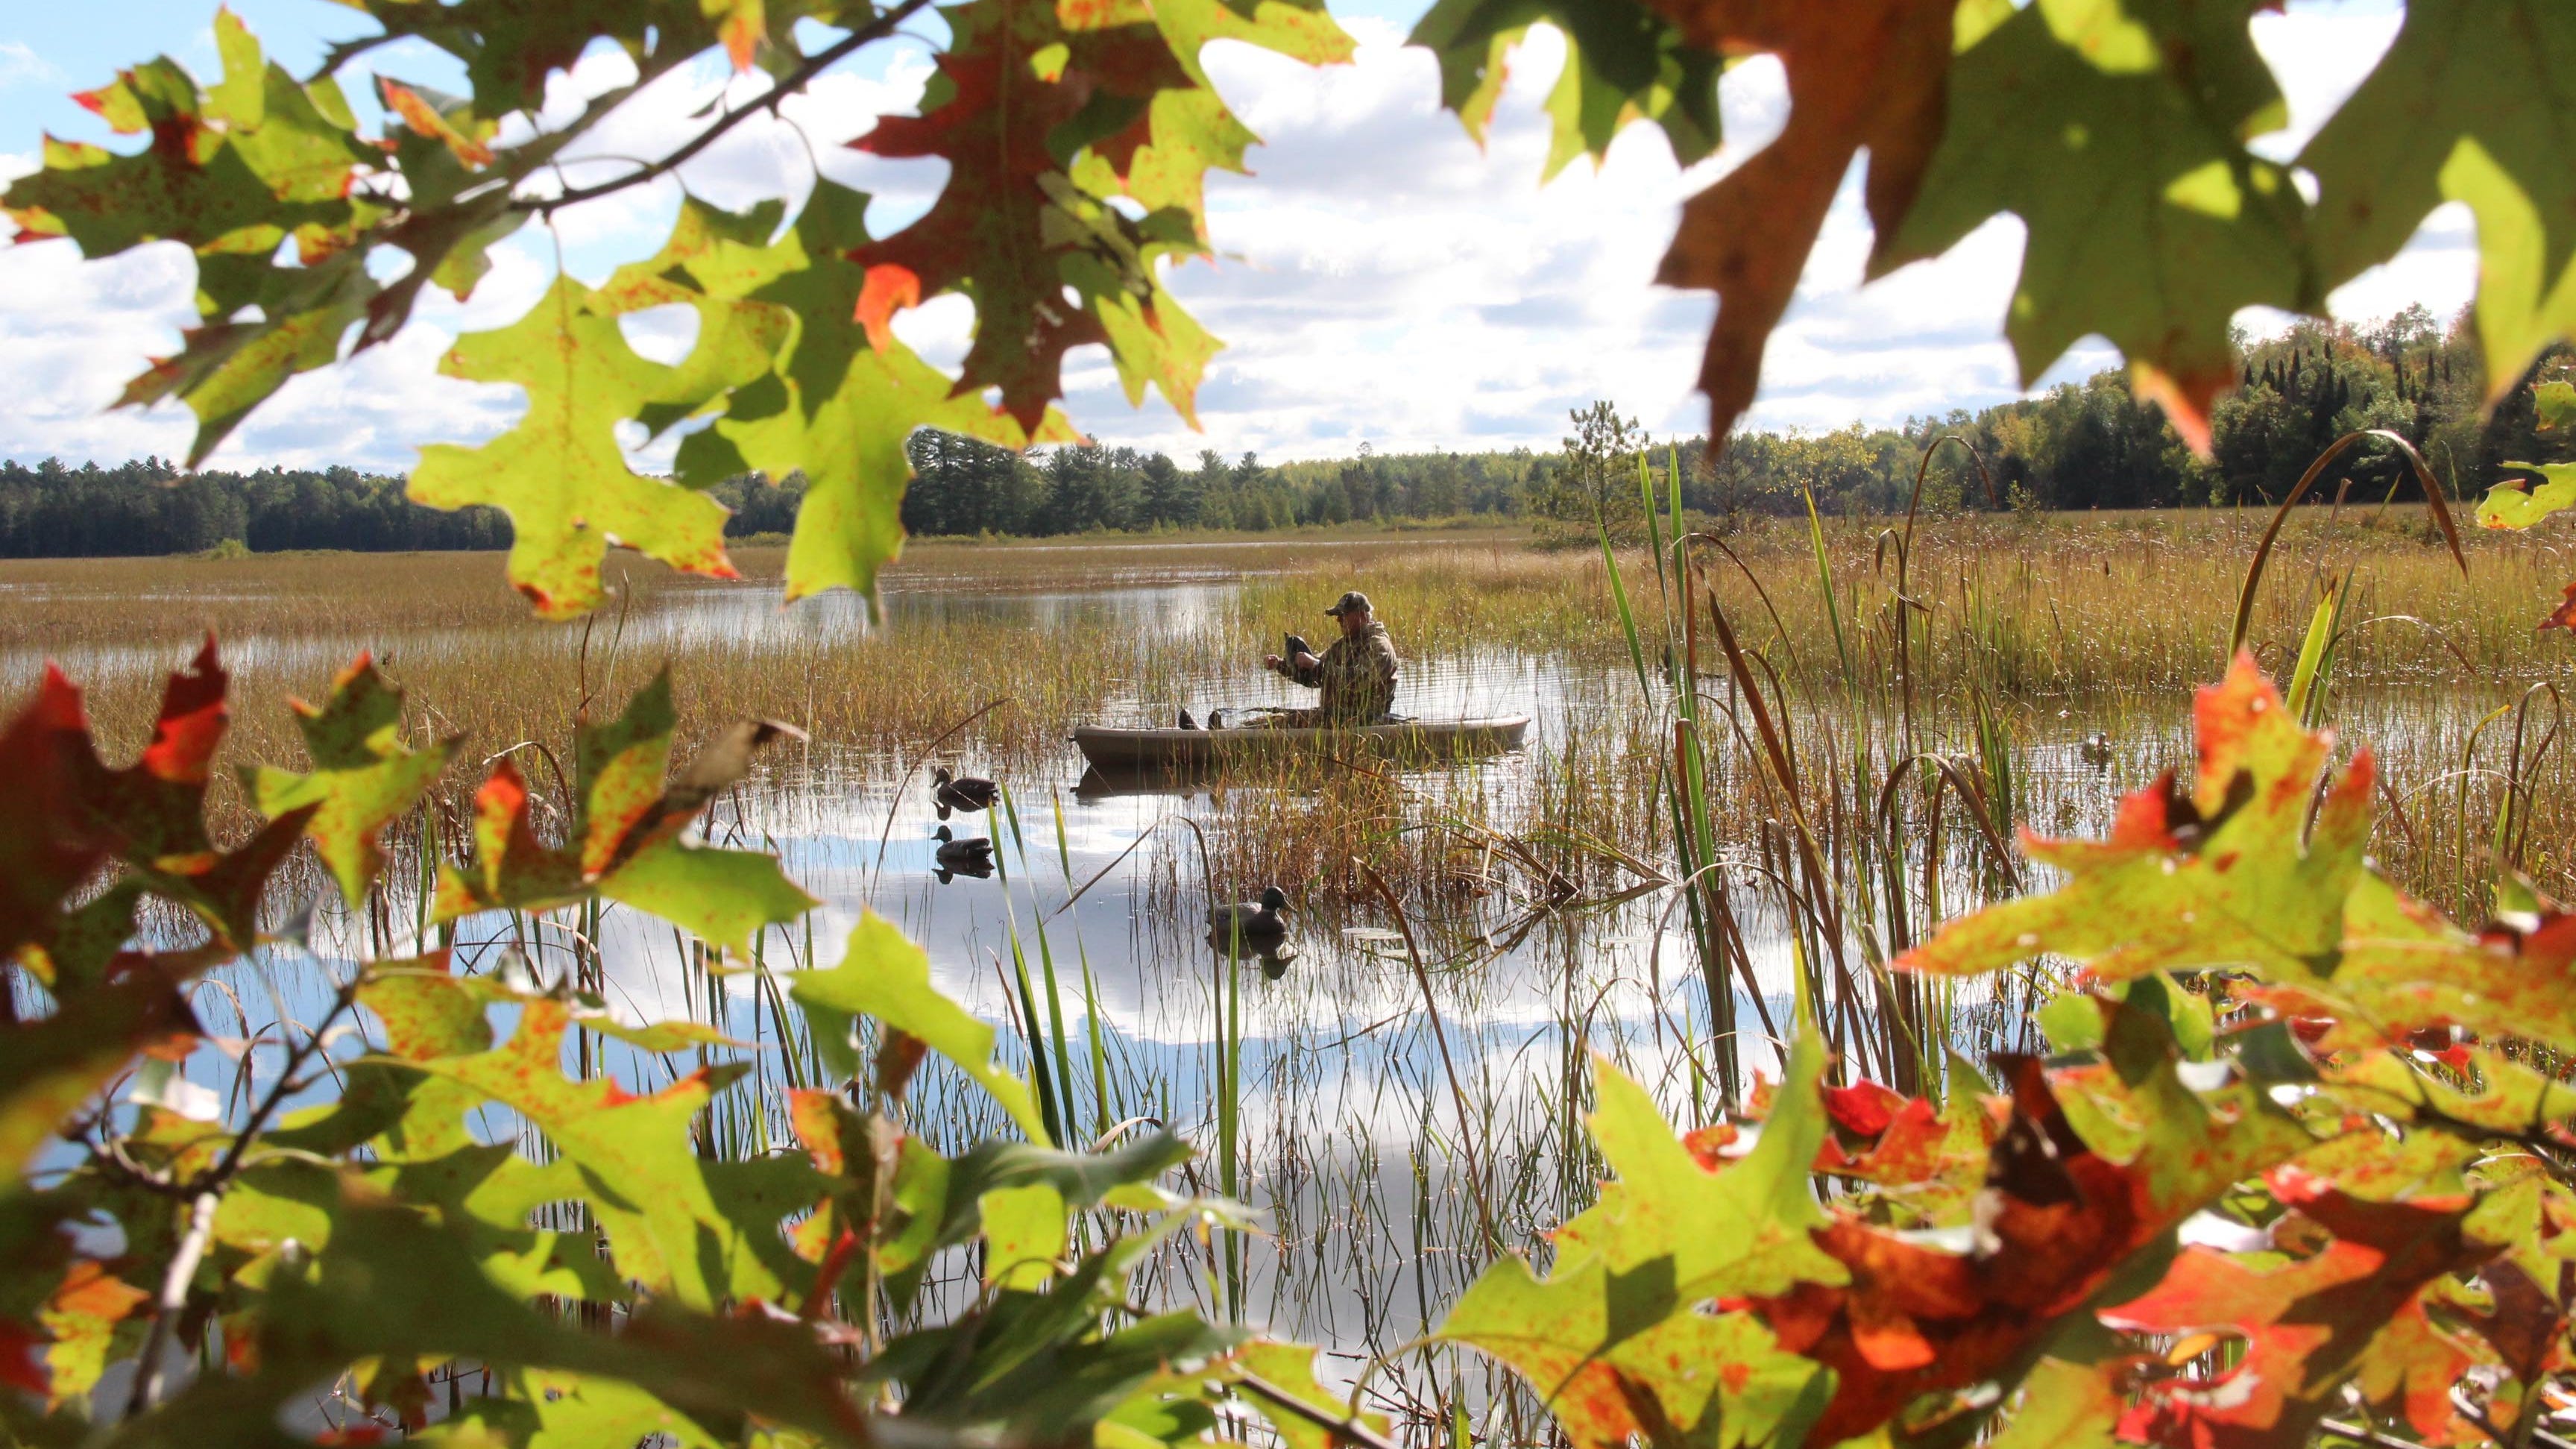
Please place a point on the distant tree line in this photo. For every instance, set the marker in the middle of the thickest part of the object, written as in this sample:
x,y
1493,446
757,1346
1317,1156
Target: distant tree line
x,y
962,486
151,507
2094,445
2081,445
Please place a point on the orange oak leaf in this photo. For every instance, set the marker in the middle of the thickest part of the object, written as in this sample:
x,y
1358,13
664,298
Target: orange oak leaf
x,y
2564,616
888,289
2311,1324
1868,74
2058,1218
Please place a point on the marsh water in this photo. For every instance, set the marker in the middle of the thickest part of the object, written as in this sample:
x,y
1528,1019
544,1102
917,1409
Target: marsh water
x,y
1384,1057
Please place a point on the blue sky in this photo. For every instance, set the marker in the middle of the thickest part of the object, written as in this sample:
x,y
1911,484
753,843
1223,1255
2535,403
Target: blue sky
x,y
1383,279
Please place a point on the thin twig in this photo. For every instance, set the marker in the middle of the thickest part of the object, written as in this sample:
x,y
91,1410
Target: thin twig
x,y
1343,1427
173,1301
208,1190
787,85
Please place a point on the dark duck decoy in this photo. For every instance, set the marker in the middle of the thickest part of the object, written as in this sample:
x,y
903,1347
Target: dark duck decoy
x,y
969,857
1188,723
965,795
2097,749
1216,719
1250,920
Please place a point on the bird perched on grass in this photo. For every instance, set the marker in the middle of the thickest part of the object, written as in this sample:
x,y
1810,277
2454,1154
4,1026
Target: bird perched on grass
x,y
965,794
1250,920
972,856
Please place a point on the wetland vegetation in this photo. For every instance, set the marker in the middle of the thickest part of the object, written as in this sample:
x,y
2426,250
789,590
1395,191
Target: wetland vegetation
x,y
1402,1088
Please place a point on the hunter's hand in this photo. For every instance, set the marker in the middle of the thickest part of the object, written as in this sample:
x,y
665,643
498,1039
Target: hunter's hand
x,y
1270,661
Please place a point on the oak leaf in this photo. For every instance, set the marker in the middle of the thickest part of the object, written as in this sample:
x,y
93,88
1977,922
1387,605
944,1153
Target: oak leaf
x,y
2115,130
363,775
560,473
883,975
1613,1339
837,402
625,833
67,816
1872,74
2310,1325
1623,63
2449,114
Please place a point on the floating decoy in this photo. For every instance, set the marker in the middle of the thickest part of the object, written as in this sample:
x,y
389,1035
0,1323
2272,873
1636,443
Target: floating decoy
x,y
1250,920
1188,723
968,794
1216,719
2097,748
972,857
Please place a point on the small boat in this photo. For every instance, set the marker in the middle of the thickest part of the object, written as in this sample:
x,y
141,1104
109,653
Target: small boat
x,y
1113,749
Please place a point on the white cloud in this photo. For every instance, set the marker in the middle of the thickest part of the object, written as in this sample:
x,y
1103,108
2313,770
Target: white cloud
x,y
1383,278
20,65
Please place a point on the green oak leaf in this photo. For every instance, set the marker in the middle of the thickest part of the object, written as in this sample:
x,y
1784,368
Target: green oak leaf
x,y
227,368
2514,503
395,1283
2554,405
839,405
542,1409
883,975
627,823
1024,1234
1623,62
2115,130
2067,1405
1145,57
363,775
233,170
728,327
2456,110
637,1163
1617,1325
560,473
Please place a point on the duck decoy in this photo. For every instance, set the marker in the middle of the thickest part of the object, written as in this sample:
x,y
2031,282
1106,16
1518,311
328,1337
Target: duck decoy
x,y
964,794
2097,748
970,857
1216,719
1188,723
1250,920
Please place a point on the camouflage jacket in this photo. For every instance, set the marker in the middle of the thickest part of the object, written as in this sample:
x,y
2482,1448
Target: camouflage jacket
x,y
1357,676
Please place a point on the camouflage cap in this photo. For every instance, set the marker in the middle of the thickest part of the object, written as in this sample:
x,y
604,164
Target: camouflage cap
x,y
1353,602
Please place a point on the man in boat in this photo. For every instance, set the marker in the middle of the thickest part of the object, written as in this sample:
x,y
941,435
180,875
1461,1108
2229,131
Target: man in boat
x,y
1356,675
